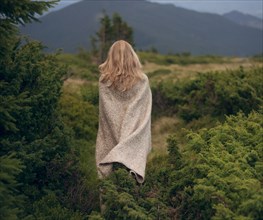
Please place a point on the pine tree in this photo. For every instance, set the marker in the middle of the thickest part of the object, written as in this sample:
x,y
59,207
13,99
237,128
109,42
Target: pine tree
x,y
111,30
104,35
121,30
33,139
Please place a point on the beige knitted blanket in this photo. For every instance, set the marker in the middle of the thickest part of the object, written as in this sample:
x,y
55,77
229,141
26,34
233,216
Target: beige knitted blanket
x,y
124,133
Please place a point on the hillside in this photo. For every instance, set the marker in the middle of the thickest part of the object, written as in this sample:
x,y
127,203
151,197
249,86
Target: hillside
x,y
244,19
163,26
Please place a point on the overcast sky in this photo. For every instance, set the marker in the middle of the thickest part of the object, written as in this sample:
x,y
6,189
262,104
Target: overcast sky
x,y
253,7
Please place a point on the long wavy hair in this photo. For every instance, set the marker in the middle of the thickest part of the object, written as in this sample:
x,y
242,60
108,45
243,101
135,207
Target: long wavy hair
x,y
122,68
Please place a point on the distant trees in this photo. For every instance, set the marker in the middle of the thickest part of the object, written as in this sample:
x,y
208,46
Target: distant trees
x,y
111,29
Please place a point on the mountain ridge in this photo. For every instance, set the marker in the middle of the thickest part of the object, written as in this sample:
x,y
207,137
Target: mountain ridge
x,y
163,26
244,19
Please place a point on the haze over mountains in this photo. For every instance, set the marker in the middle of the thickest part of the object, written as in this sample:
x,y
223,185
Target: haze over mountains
x,y
165,27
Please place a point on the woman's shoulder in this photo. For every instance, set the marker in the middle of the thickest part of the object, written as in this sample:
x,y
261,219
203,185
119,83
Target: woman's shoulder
x,y
144,78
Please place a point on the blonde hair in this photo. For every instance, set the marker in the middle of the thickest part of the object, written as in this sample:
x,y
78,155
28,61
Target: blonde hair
x,y
122,68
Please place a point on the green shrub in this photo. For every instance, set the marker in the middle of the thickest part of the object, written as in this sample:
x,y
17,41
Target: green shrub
x,y
90,94
124,199
49,208
217,174
79,115
11,201
222,171
215,94
80,65
82,118
181,59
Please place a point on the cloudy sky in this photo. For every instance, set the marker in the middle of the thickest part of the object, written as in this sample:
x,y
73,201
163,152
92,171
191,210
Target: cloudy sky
x,y
253,7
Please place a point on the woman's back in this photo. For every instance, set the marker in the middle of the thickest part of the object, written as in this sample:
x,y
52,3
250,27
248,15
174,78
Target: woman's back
x,y
124,134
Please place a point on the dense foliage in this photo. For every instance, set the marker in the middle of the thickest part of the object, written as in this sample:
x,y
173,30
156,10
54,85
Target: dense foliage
x,y
215,94
181,58
216,175
39,165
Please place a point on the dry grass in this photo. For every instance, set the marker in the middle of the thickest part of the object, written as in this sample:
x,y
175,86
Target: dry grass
x,y
74,81
74,85
189,71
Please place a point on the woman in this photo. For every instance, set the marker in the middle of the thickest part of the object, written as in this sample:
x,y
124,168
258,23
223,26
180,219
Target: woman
x,y
125,104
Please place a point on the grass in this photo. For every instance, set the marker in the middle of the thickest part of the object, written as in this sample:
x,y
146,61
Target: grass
x,y
174,72
181,59
80,66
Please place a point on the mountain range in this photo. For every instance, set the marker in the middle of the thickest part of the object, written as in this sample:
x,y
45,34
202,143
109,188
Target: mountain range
x,y
244,19
167,28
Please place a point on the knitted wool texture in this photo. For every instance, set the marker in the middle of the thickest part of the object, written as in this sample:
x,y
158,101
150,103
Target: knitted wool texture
x,y
124,133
